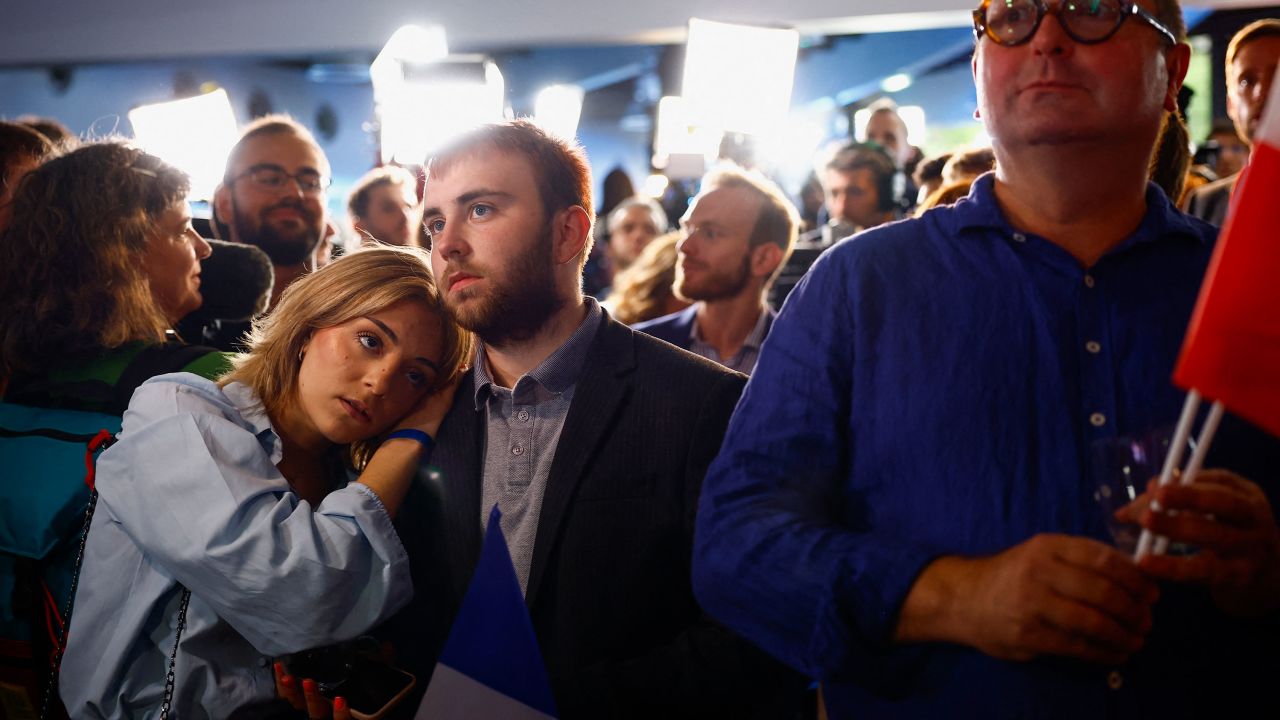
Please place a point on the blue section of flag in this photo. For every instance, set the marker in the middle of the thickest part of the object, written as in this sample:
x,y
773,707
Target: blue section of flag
x,y
492,638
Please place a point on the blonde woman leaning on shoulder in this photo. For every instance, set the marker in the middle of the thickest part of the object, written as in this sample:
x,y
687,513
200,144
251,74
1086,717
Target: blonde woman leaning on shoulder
x,y
237,491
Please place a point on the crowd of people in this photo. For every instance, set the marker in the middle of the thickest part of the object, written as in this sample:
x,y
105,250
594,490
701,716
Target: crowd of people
x,y
872,499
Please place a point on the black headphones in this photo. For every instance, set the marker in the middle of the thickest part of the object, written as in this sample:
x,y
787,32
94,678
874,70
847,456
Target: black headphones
x,y
890,181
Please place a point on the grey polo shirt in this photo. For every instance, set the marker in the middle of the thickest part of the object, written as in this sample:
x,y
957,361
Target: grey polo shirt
x,y
522,429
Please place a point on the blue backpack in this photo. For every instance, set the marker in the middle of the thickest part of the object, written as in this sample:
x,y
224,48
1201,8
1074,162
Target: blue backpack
x,y
48,458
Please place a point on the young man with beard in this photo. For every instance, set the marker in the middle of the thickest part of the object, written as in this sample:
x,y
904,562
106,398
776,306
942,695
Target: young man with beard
x,y
738,232
272,195
592,439
904,506
1250,70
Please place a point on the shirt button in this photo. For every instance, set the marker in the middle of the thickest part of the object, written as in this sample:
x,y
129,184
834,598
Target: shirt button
x,y
1115,680
517,449
1093,346
523,416
1019,237
1088,281
263,662
1098,419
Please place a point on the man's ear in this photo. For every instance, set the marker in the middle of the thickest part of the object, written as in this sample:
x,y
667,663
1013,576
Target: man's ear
x,y
570,232
222,205
1177,60
357,224
765,258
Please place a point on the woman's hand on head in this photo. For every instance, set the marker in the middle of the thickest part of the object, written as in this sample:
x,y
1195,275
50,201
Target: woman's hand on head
x,y
430,411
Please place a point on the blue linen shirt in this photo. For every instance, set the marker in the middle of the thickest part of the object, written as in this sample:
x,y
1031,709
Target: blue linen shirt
x,y
935,387
190,494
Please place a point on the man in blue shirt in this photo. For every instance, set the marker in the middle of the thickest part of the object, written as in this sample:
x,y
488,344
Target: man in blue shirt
x,y
903,506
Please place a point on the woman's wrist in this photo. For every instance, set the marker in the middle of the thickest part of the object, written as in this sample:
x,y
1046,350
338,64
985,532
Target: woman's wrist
x,y
425,441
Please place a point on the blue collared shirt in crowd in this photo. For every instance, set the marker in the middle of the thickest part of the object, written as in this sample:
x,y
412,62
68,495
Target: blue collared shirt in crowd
x,y
190,494
937,387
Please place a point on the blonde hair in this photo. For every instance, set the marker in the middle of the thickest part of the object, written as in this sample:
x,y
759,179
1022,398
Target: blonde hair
x,y
364,282
642,290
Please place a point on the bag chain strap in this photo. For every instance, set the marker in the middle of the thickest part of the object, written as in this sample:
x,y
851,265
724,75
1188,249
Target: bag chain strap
x,y
173,657
170,677
66,615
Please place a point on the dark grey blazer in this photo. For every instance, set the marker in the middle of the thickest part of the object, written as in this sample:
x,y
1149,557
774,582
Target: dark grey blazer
x,y
609,589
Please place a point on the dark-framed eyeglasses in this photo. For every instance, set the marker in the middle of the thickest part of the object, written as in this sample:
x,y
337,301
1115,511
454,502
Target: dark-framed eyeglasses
x,y
1013,22
273,177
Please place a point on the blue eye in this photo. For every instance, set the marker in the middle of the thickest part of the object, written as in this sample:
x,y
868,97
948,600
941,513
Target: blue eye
x,y
416,377
481,210
369,341
434,226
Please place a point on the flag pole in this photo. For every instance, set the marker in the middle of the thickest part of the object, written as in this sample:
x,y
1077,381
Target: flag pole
x,y
1172,460
1197,460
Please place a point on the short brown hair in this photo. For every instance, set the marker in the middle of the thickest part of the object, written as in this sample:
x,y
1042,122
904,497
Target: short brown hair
x,y
560,165
778,221
968,164
358,200
19,142
1266,27
267,125
71,276
366,281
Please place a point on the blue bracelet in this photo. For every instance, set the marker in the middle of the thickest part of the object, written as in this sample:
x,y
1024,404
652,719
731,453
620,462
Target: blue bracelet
x,y
423,439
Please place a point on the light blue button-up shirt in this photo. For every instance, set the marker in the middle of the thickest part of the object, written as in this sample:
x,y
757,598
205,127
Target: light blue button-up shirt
x,y
190,494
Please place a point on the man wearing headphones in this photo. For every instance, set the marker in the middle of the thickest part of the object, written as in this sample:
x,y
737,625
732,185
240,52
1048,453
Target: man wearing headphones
x,y
858,184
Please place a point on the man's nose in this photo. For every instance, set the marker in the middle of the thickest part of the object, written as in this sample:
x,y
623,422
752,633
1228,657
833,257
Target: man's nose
x,y
1263,91
449,243
685,245
1051,37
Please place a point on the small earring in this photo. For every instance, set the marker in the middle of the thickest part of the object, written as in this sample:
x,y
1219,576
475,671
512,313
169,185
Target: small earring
x,y
301,353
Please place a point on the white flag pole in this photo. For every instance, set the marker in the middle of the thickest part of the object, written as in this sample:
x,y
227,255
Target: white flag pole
x,y
1197,460
1171,461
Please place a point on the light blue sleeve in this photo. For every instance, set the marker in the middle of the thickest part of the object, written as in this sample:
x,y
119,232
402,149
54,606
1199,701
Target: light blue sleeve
x,y
195,489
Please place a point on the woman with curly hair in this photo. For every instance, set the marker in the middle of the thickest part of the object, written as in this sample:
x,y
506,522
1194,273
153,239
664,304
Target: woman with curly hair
x,y
98,262
246,519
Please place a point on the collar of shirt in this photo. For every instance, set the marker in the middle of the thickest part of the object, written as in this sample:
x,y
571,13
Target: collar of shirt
x,y
252,410
980,210
560,371
754,338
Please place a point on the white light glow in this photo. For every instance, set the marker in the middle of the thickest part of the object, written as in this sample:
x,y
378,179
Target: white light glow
x,y
738,78
655,186
194,135
409,44
789,153
896,83
558,108
912,115
428,104
679,147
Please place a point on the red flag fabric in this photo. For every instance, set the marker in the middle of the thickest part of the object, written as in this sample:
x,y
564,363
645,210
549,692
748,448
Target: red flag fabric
x,y
1232,349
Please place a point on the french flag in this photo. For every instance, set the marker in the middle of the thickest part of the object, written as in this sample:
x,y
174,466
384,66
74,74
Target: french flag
x,y
490,666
